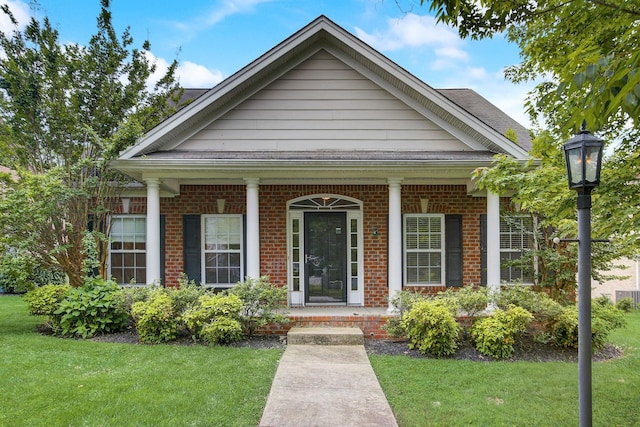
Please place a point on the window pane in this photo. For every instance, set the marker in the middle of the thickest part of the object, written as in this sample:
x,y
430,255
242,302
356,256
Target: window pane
x,y
116,274
234,275
141,260
234,260
412,241
223,275
223,237
515,236
211,275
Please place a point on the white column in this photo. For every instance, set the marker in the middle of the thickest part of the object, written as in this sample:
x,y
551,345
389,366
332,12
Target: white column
x,y
394,263
253,228
493,241
153,230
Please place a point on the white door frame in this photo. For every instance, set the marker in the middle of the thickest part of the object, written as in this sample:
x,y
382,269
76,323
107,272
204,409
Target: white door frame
x,y
295,244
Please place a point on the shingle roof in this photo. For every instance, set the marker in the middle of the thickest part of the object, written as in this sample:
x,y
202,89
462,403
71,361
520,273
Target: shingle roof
x,y
491,115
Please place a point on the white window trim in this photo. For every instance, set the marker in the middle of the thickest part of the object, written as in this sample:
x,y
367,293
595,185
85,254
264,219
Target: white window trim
x,y
443,279
122,251
204,252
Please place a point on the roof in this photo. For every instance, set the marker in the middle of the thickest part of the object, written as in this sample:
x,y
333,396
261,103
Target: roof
x,y
488,113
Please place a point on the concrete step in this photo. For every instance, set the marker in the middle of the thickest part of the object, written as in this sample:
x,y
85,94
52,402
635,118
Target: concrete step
x,y
325,336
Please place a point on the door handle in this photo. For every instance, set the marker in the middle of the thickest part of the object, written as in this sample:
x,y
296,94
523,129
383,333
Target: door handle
x,y
312,259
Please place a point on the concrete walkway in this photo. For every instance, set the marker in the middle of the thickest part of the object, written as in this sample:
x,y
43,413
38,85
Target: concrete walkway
x,y
326,385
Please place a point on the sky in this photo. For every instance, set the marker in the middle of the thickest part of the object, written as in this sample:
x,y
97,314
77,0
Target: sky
x,y
212,39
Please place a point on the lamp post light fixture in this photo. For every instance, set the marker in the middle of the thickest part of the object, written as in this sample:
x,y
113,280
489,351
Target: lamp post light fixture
x,y
583,155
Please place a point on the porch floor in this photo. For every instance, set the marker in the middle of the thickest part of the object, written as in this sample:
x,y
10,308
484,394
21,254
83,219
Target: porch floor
x,y
336,311
369,320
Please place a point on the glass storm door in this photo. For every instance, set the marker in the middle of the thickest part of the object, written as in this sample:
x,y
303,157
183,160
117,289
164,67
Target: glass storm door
x,y
325,257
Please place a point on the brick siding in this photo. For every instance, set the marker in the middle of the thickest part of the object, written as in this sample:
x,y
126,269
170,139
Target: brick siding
x,y
201,199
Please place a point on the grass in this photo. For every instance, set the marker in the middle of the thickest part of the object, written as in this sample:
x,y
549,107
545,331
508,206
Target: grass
x,y
428,392
47,381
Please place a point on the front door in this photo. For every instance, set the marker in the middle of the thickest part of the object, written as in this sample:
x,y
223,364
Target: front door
x,y
325,258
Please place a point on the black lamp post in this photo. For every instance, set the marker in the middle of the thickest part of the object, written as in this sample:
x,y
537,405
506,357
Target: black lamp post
x,y
583,154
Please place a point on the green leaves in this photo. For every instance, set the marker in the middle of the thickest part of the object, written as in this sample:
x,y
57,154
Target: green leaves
x,y
66,111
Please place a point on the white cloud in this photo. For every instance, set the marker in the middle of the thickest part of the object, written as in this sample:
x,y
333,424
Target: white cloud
x,y
444,61
412,31
215,14
188,74
20,12
415,31
230,7
193,75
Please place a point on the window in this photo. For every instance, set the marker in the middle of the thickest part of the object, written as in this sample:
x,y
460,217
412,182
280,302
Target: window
x,y
223,250
424,249
128,255
515,239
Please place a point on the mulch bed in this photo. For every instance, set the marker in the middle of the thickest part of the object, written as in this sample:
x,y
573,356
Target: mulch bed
x,y
527,351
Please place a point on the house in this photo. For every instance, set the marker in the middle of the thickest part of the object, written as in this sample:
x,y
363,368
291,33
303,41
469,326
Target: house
x,y
325,166
629,286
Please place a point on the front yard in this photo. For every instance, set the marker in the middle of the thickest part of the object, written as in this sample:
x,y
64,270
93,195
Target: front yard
x,y
48,381
444,392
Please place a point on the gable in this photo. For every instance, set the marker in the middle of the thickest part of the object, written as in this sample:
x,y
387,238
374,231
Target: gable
x,y
322,104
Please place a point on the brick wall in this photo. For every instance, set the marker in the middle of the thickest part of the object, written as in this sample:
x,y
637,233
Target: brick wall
x,y
201,199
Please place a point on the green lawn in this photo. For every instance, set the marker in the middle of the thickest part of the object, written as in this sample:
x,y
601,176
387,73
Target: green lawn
x,y
47,381
427,392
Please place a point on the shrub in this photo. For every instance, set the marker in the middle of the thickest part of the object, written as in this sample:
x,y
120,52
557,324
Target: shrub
x,y
45,300
21,273
221,330
130,295
155,318
472,300
431,328
261,301
605,317
186,295
626,304
209,309
402,302
565,328
543,308
91,309
495,336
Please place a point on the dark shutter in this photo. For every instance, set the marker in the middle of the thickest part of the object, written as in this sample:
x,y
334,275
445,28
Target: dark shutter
x,y
191,245
483,249
453,249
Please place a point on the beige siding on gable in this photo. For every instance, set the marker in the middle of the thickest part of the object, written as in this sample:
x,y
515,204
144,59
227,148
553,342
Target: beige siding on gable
x,y
323,104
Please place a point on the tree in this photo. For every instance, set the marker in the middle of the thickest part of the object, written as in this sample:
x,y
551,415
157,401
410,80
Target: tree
x,y
586,55
587,52
540,190
66,111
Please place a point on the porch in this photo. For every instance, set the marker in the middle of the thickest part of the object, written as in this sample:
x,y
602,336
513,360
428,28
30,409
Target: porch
x,y
369,319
